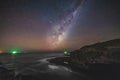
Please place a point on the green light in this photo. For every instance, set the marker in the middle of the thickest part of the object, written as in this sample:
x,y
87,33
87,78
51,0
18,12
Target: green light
x,y
65,52
14,52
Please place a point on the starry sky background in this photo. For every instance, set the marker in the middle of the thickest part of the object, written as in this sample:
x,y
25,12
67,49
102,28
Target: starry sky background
x,y
30,24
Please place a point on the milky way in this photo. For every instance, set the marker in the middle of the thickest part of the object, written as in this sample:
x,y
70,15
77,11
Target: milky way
x,y
57,25
59,31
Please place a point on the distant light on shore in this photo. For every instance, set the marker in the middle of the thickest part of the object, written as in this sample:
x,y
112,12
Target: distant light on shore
x,y
1,51
15,51
66,53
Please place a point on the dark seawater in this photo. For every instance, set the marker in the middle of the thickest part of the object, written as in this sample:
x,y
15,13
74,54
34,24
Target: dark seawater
x,y
37,67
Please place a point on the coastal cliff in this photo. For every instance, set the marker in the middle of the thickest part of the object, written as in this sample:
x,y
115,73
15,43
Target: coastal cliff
x,y
102,52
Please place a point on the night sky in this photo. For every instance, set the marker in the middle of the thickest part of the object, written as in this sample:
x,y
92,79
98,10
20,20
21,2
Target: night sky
x,y
57,25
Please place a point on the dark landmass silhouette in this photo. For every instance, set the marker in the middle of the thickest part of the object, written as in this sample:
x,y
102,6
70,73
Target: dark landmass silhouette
x,y
102,52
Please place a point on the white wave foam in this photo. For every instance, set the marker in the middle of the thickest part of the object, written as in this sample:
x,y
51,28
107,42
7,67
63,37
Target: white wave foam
x,y
53,67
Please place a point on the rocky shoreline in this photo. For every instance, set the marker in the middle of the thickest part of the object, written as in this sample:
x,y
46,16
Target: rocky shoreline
x,y
95,71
